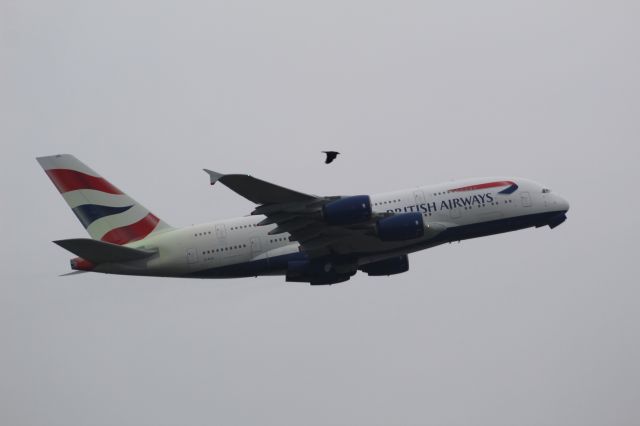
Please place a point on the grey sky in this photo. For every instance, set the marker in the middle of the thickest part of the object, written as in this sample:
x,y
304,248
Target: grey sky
x,y
536,327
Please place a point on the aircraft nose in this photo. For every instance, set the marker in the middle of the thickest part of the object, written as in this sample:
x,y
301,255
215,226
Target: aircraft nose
x,y
560,207
562,203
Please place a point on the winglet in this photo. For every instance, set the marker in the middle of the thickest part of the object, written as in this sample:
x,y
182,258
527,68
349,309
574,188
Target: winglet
x,y
213,176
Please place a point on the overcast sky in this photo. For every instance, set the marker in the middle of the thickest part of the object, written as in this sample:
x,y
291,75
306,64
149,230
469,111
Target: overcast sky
x,y
537,327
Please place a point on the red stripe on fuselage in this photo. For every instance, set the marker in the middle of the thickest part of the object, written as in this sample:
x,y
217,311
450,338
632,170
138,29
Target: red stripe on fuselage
x,y
134,232
70,180
483,186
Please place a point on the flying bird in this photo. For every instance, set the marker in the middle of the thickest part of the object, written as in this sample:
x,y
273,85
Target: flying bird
x,y
331,155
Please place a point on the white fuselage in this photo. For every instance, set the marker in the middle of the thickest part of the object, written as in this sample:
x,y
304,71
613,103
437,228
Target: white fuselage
x,y
239,247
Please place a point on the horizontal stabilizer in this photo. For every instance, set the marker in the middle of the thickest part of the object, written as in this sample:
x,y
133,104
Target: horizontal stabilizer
x,y
68,274
101,252
256,190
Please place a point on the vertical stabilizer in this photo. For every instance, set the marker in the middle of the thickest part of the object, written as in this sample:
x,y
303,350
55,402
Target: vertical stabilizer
x,y
107,213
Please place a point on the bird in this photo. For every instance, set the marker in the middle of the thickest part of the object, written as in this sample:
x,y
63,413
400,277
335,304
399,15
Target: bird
x,y
331,155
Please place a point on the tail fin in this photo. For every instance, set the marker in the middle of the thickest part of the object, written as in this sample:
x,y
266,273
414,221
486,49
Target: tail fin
x,y
107,213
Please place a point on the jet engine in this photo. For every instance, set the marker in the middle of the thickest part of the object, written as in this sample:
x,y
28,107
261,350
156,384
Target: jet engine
x,y
348,210
400,227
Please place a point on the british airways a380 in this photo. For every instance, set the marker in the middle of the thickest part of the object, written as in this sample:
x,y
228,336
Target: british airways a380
x,y
306,238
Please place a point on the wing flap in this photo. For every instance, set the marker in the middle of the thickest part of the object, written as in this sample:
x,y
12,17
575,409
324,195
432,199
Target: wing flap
x,y
291,226
277,218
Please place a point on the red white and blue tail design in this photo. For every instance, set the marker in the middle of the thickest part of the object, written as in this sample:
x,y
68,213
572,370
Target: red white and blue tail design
x,y
107,213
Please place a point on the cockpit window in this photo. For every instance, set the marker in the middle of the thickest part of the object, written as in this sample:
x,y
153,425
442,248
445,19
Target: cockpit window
x,y
546,190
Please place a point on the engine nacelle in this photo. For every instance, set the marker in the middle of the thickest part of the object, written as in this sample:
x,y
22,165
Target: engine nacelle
x,y
392,266
347,211
400,227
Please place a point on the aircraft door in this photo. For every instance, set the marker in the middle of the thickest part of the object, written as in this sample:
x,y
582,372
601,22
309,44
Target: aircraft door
x,y
418,197
221,231
525,197
455,212
255,246
192,256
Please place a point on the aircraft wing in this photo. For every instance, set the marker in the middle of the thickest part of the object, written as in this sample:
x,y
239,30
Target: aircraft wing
x,y
300,215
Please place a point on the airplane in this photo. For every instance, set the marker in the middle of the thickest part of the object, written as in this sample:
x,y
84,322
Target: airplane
x,y
307,238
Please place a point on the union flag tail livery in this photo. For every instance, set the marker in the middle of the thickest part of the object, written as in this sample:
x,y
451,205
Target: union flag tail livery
x,y
107,213
306,238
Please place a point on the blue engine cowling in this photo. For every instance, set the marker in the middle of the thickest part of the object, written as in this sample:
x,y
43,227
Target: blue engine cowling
x,y
400,227
395,265
347,211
